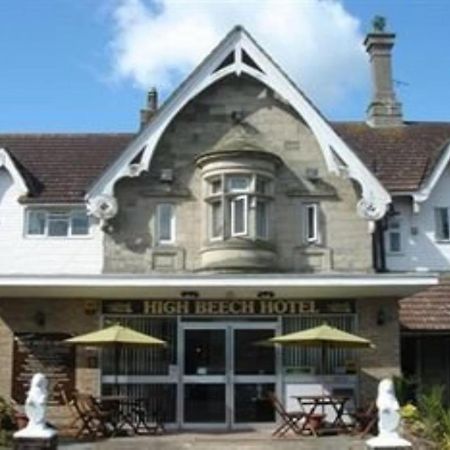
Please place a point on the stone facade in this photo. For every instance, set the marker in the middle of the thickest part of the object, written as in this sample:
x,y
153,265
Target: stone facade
x,y
300,177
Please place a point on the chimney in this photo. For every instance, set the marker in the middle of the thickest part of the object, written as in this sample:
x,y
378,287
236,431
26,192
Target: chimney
x,y
152,105
384,110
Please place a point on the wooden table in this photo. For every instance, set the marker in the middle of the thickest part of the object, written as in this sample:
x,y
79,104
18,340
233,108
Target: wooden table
x,y
310,405
133,413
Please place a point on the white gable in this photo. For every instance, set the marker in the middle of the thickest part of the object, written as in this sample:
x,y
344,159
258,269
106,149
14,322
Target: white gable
x,y
8,164
430,183
246,57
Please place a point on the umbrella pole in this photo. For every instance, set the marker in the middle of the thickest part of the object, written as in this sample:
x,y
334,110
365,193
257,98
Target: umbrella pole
x,y
116,367
323,355
324,358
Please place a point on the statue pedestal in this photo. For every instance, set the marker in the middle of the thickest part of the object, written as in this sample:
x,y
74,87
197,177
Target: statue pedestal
x,y
388,442
35,443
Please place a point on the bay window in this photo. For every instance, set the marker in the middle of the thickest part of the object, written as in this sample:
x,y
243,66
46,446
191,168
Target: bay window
x,y
238,205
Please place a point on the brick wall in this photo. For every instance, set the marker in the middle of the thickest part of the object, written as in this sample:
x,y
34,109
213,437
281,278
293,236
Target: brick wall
x,y
384,360
62,316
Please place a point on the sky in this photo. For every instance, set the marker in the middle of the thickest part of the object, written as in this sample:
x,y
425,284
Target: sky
x,y
85,65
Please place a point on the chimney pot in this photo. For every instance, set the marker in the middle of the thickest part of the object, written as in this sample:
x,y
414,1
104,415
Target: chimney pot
x,y
384,110
152,99
147,113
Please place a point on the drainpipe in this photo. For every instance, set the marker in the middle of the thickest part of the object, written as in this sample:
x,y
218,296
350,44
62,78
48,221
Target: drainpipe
x,y
378,249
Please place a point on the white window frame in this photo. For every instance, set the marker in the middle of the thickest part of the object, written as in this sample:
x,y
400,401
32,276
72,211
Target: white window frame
x,y
172,238
436,237
394,230
314,237
233,215
69,213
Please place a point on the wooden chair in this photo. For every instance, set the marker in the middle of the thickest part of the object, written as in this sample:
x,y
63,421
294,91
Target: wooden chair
x,y
366,420
94,420
105,418
290,420
87,426
75,421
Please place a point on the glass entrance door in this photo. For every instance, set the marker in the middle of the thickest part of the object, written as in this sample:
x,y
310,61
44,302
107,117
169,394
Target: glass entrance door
x,y
204,376
227,371
254,374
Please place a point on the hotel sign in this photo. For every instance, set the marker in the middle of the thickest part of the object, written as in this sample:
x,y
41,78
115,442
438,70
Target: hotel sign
x,y
226,307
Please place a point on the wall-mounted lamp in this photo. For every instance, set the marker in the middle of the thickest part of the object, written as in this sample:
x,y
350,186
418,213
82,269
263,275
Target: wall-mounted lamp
x,y
90,307
265,295
190,295
40,319
381,317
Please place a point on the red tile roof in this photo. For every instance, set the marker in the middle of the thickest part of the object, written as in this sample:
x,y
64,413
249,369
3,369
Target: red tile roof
x,y
428,310
61,167
400,157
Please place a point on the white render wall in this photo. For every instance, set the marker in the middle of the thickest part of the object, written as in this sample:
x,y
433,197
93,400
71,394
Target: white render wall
x,y
22,255
421,251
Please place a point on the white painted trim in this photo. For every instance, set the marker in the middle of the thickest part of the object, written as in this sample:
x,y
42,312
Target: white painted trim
x,y
374,197
427,187
69,212
7,162
213,287
233,201
315,208
274,280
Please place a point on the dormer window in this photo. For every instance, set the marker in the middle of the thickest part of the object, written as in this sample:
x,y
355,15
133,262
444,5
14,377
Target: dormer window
x,y
239,205
56,223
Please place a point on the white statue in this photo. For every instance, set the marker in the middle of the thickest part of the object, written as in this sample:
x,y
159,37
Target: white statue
x,y
388,418
35,409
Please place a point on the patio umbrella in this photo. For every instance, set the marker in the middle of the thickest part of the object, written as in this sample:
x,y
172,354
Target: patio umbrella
x,y
115,336
323,336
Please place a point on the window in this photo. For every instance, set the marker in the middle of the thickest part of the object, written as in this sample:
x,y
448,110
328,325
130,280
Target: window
x,y
216,219
394,237
262,219
57,223
442,224
239,205
165,223
311,222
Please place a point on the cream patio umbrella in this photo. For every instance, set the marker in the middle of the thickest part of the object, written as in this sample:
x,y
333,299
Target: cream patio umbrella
x,y
324,337
116,336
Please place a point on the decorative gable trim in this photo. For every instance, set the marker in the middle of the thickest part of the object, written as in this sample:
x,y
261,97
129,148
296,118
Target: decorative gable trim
x,y
246,57
429,184
9,165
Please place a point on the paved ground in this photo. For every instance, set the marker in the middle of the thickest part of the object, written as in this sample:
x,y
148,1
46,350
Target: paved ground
x,y
209,441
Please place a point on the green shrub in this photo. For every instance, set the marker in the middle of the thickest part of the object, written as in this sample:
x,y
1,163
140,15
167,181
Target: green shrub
x,y
7,423
431,420
404,388
432,412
